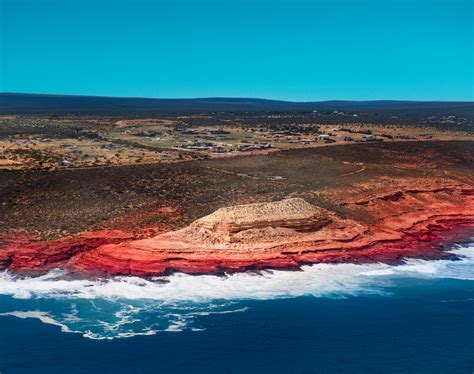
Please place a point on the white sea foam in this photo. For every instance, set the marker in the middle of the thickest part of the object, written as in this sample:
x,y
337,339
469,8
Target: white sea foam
x,y
129,306
317,280
42,316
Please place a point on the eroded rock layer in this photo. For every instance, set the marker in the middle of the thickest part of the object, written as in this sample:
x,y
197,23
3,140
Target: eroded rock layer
x,y
257,222
408,219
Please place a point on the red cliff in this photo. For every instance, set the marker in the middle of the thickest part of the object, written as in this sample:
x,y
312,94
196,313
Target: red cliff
x,y
407,220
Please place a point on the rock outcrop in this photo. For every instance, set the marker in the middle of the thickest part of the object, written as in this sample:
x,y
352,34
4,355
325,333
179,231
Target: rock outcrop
x,y
258,222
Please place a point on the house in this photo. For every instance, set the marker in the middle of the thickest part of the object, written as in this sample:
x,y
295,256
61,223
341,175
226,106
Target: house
x,y
66,163
218,149
369,138
110,146
198,145
253,147
217,132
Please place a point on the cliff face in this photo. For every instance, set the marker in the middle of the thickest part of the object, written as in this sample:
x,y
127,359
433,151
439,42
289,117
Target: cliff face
x,y
408,219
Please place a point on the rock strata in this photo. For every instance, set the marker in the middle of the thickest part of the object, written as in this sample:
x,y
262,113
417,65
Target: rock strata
x,y
244,222
408,220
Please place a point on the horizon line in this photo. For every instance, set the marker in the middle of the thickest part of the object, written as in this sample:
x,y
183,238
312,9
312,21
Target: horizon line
x,y
235,97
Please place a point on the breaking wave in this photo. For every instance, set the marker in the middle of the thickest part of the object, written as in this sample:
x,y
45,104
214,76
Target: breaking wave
x,y
129,306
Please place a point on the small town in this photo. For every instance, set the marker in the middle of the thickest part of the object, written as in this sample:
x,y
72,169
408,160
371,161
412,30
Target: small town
x,y
28,143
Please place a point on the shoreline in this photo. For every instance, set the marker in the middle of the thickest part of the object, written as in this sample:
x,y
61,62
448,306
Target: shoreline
x,y
431,241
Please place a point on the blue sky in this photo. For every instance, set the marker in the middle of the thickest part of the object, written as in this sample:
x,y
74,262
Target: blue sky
x,y
282,49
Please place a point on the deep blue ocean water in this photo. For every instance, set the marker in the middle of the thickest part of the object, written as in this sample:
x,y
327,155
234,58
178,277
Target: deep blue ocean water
x,y
413,318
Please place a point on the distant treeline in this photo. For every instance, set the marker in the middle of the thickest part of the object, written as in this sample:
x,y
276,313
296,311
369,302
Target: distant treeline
x,y
14,103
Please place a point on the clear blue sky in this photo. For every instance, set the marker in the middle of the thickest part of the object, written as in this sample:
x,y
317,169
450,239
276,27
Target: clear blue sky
x,y
283,49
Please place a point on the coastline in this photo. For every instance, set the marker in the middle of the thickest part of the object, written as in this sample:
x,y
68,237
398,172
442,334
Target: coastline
x,y
408,231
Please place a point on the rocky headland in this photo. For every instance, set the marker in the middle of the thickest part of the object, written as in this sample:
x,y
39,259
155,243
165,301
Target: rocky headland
x,y
354,203
410,220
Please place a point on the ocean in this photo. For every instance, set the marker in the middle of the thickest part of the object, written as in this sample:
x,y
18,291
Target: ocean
x,y
417,317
